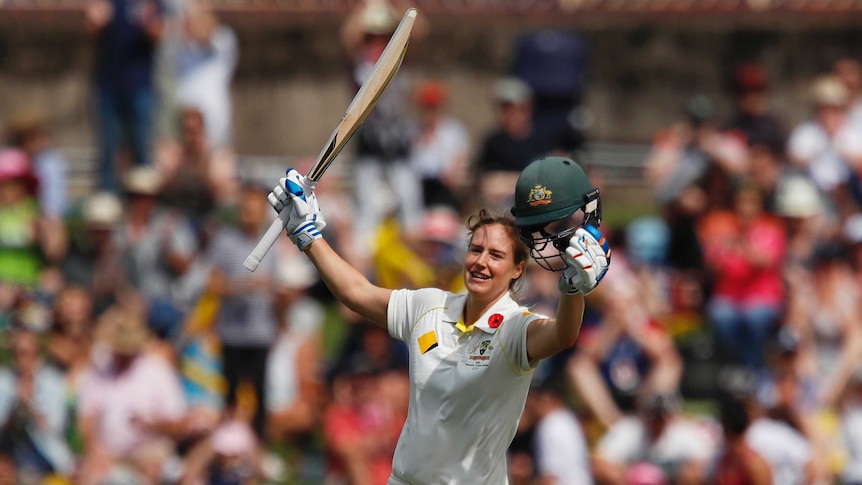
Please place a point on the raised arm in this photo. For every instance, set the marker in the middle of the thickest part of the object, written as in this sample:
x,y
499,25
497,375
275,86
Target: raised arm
x,y
296,194
587,260
349,285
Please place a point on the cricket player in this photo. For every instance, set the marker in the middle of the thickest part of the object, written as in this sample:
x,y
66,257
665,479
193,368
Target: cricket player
x,y
472,355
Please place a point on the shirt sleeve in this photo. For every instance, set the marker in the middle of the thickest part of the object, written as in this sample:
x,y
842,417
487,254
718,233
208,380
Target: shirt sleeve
x,y
513,338
398,314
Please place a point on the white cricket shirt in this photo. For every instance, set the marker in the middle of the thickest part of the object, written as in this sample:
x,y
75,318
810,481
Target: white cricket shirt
x,y
467,389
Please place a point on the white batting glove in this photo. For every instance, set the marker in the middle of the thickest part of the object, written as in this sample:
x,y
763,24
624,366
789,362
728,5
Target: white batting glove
x,y
295,193
587,259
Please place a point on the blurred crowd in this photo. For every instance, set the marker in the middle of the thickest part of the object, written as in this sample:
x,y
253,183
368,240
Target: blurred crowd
x,y
723,347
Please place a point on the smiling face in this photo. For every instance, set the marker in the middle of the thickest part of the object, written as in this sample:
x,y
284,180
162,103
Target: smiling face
x,y
493,262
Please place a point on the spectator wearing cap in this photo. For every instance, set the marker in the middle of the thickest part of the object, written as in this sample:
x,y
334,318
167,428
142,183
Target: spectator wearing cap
x,y
659,434
804,211
25,241
827,145
441,148
384,180
749,86
96,260
510,144
33,410
161,245
130,406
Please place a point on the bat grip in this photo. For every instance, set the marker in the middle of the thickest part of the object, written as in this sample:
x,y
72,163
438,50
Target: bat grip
x,y
266,241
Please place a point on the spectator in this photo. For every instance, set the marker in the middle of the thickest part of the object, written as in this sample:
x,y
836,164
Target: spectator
x,y
851,426
28,131
744,250
738,463
25,241
430,256
554,64
752,118
360,428
126,34
562,455
130,405
33,411
825,315
228,456
197,178
97,260
205,59
804,214
246,321
293,372
694,152
658,434
627,353
509,146
788,452
8,471
384,140
849,71
161,247
440,149
826,145
71,332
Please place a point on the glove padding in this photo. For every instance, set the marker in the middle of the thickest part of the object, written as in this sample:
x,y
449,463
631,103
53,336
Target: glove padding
x,y
587,259
295,193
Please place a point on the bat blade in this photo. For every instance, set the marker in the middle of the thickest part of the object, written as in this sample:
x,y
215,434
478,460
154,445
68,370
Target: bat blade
x,y
357,111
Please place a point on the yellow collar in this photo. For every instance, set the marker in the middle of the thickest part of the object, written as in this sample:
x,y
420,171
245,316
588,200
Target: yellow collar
x,y
464,328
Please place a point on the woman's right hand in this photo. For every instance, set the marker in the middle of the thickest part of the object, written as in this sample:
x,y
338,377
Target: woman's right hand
x,y
295,193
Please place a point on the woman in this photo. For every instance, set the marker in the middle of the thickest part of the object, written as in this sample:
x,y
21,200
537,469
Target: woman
x,y
472,354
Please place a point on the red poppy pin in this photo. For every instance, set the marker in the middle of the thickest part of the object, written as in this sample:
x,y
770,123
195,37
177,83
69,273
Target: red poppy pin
x,y
495,320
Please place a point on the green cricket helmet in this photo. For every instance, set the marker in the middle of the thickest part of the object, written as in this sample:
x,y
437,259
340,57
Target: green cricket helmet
x,y
553,198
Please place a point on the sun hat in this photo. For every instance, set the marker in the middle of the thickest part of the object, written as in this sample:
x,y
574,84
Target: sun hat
x,y
124,330
15,165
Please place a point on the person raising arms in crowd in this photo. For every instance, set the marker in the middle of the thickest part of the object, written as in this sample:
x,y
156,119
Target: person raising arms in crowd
x,y
471,354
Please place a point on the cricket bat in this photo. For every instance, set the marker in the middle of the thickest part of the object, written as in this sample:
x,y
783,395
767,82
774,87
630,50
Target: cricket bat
x,y
357,111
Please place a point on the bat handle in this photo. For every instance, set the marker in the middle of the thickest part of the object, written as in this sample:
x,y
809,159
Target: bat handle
x,y
266,241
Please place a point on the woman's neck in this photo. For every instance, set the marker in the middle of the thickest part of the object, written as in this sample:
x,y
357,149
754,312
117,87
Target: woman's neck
x,y
474,308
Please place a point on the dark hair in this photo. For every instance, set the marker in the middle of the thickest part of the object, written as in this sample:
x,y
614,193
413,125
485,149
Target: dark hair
x,y
485,218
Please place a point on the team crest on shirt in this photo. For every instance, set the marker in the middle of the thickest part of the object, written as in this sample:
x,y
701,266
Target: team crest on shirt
x,y
539,195
479,356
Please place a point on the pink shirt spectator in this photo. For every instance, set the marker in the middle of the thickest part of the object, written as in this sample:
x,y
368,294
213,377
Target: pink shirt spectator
x,y
747,260
149,390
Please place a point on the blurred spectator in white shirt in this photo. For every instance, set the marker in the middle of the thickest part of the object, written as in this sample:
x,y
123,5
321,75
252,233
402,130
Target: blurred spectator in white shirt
x,y
827,145
659,434
204,61
559,445
441,148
